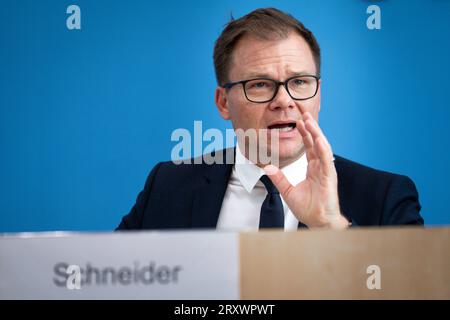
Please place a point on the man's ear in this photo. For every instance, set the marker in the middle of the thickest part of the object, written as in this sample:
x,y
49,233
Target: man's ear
x,y
222,103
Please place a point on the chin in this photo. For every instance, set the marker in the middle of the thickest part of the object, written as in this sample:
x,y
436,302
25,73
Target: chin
x,y
289,151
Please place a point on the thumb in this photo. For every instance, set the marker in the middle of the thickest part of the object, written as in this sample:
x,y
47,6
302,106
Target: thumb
x,y
279,180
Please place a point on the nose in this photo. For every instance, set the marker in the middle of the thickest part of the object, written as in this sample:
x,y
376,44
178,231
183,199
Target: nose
x,y
282,99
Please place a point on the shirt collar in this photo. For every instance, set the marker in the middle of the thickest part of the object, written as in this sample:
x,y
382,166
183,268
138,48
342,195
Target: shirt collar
x,y
249,173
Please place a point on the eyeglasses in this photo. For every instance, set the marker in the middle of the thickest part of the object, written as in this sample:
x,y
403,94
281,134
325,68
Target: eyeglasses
x,y
262,90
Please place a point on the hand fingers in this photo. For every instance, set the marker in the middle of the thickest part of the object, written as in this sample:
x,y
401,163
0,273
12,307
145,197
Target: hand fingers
x,y
313,128
316,130
326,162
279,180
317,135
307,140
321,145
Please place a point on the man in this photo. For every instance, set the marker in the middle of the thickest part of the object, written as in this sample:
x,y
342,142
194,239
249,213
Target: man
x,y
268,71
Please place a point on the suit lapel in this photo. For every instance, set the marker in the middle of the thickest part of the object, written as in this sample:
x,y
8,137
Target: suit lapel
x,y
211,190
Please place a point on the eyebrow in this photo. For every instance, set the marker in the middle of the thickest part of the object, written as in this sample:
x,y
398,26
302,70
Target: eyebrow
x,y
266,75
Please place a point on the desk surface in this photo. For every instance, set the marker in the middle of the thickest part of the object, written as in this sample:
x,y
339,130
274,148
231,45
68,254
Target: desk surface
x,y
362,263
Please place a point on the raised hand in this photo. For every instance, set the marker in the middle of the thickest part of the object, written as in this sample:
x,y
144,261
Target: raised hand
x,y
315,200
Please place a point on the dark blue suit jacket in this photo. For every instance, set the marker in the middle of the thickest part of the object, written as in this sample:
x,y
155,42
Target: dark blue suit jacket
x,y
191,195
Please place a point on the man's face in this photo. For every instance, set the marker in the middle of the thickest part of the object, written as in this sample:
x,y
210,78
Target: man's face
x,y
279,60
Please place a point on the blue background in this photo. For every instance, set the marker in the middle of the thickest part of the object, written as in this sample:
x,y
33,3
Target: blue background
x,y
85,114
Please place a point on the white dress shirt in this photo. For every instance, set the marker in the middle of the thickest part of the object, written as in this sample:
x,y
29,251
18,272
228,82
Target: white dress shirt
x,y
245,194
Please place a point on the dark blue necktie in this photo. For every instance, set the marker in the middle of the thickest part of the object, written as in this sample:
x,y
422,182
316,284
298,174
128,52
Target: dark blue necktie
x,y
272,214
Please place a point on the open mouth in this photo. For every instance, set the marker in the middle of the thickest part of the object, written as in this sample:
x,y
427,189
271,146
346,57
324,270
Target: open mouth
x,y
283,127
